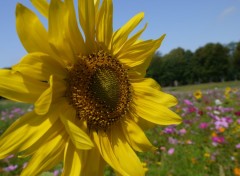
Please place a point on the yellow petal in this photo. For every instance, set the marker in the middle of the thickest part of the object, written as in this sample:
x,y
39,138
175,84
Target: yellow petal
x,y
142,90
54,93
54,131
16,87
79,138
47,156
117,153
72,160
126,155
75,36
105,148
31,32
135,136
40,66
121,35
104,24
140,53
155,112
82,162
42,6
142,68
132,40
24,132
144,124
86,12
96,4
97,165
147,82
58,36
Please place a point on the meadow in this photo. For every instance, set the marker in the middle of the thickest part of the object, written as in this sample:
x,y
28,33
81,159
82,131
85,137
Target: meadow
x,y
205,144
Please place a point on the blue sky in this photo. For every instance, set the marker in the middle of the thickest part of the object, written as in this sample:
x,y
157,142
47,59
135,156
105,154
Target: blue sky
x,y
189,24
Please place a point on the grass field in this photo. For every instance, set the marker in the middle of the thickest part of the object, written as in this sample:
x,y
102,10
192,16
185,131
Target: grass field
x,y
205,144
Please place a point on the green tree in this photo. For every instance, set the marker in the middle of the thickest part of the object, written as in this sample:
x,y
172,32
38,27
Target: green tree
x,y
211,62
172,67
153,70
236,61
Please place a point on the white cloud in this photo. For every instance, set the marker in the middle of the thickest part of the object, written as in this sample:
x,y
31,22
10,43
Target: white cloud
x,y
228,11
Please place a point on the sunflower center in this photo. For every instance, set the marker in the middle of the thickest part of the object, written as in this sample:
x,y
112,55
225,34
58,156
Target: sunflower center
x,y
99,90
105,87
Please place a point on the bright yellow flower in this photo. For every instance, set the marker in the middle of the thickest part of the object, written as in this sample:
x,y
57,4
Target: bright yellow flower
x,y
228,90
197,94
207,155
84,88
227,95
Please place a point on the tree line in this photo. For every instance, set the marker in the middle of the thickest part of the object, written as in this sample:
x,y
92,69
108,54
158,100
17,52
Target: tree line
x,y
213,62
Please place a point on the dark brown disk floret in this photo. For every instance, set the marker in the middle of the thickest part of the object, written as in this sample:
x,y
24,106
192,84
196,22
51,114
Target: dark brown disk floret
x,y
99,90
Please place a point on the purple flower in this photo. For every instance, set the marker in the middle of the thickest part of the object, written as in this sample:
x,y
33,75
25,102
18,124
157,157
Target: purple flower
x,y
10,168
10,156
221,122
238,121
182,131
203,125
238,146
56,172
218,139
17,110
209,108
188,102
172,140
229,120
215,117
169,130
171,151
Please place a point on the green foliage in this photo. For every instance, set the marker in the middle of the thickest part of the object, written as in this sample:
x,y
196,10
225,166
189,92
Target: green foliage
x,y
163,69
47,174
210,63
236,61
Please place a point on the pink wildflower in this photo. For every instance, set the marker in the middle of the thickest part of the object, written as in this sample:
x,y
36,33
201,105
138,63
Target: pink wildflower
x,y
203,125
171,151
188,102
182,131
238,146
10,168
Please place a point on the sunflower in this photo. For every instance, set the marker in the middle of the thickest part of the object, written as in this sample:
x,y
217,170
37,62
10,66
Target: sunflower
x,y
91,100
198,94
227,92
